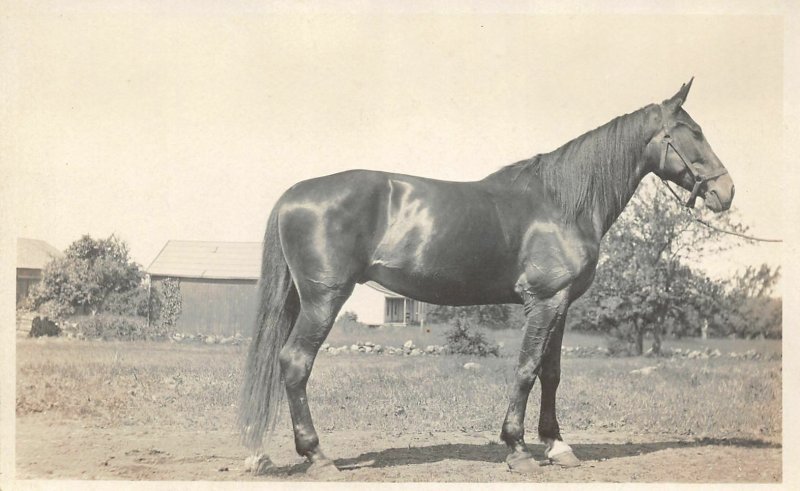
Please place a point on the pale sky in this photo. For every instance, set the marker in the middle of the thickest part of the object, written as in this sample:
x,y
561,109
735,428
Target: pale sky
x,y
187,125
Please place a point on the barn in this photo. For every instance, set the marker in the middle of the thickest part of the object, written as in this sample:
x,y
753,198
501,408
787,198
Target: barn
x,y
32,256
218,283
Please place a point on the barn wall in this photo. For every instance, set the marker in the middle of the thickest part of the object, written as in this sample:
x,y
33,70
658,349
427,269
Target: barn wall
x,y
218,307
27,278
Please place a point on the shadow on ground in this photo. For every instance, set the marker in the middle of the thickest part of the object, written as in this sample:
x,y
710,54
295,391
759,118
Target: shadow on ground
x,y
496,453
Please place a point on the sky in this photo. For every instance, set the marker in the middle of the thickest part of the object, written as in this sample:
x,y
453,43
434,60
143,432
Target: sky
x,y
171,124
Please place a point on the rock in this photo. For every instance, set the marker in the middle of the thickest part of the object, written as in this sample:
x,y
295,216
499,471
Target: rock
x,y
353,347
644,371
211,339
430,348
715,353
369,344
693,354
408,344
325,346
378,348
368,349
415,352
472,366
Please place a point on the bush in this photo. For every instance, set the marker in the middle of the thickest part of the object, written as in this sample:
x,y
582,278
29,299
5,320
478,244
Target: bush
x,y
43,327
462,340
348,322
136,302
620,347
171,302
107,326
497,316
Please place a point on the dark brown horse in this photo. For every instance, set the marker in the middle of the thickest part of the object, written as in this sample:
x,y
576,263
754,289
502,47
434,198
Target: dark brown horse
x,y
529,233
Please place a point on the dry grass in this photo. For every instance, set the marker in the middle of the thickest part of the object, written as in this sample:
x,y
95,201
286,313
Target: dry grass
x,y
195,386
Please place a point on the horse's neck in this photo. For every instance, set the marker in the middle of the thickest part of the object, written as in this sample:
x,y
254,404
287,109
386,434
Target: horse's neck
x,y
602,220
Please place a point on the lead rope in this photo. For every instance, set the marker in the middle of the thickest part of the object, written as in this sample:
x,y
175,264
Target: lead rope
x,y
713,227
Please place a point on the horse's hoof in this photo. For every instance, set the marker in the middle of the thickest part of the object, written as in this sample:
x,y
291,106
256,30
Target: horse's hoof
x,y
565,459
522,463
324,470
258,464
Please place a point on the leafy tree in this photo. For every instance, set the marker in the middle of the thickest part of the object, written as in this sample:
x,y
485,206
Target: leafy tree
x,y
92,276
751,311
645,281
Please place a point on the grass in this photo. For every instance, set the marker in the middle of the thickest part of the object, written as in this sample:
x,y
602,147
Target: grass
x,y
196,386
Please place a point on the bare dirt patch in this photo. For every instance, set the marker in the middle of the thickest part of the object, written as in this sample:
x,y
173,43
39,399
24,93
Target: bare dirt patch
x,y
70,450
166,411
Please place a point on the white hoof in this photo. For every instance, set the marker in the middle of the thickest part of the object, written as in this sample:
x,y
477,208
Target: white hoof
x,y
559,453
258,464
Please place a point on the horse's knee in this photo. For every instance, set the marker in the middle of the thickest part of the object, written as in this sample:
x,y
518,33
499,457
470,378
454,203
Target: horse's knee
x,y
526,376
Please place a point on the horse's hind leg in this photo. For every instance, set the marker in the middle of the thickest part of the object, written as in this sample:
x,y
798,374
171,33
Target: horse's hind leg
x,y
318,309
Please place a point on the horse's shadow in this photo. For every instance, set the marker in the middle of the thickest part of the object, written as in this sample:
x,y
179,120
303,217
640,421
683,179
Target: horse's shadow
x,y
496,453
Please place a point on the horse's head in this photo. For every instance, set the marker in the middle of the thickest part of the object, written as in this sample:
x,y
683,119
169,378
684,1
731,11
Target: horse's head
x,y
680,153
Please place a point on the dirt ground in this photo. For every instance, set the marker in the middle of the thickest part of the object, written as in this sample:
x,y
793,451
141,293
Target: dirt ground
x,y
72,450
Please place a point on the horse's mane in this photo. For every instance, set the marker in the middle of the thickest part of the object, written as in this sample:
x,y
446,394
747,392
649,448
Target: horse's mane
x,y
593,169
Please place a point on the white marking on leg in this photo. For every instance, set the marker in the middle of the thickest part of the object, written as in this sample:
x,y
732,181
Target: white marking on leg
x,y
555,447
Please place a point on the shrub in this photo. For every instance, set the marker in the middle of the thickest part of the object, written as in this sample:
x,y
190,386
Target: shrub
x,y
136,302
348,322
171,303
43,327
107,326
462,340
499,316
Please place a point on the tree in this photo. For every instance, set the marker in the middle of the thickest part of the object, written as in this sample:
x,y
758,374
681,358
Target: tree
x,y
92,276
645,281
750,310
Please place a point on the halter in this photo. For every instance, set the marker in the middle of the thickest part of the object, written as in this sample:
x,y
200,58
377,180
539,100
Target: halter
x,y
699,180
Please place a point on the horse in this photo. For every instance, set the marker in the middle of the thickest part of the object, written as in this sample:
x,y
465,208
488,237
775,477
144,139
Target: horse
x,y
528,234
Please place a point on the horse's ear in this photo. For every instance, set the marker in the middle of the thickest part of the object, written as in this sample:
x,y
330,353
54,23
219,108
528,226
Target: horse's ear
x,y
675,102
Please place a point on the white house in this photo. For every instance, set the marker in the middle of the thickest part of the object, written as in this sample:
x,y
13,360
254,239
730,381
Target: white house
x,y
376,305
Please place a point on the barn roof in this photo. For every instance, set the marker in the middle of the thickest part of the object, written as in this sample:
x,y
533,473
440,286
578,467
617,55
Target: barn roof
x,y
35,254
212,260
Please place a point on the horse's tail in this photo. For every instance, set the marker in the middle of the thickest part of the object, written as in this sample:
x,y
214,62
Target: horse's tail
x,y
279,305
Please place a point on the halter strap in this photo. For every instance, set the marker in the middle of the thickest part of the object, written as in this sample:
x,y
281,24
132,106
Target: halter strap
x,y
698,179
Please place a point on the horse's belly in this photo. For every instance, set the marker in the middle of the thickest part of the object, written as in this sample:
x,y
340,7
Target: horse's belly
x,y
446,284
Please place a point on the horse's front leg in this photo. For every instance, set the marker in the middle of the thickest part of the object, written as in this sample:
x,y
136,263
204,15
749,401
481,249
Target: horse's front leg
x,y
556,450
545,318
